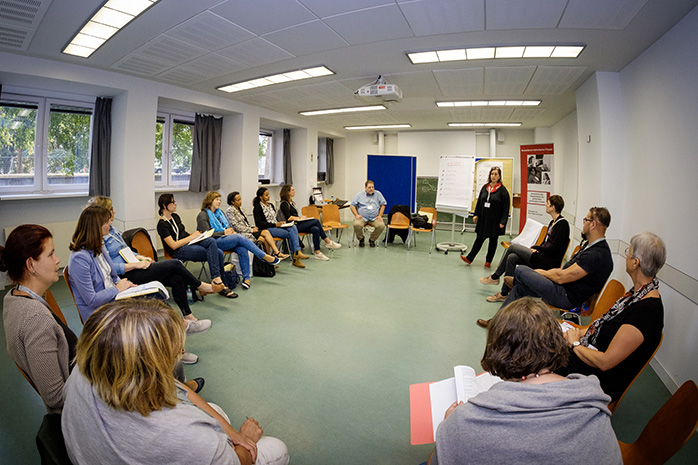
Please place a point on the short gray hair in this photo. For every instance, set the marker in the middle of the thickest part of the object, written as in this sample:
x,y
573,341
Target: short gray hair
x,y
650,250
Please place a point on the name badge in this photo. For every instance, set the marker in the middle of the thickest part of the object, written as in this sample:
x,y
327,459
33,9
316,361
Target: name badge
x,y
487,205
369,207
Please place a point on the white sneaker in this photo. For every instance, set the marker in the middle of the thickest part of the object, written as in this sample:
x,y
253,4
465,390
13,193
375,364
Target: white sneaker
x,y
333,245
320,256
199,326
189,359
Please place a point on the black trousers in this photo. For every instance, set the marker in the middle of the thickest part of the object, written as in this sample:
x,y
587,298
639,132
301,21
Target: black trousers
x,y
171,273
491,248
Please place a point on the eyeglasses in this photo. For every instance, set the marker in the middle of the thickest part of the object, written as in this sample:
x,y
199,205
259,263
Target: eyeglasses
x,y
587,219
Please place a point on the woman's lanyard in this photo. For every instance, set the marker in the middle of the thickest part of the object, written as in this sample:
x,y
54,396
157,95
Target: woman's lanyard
x,y
34,295
173,223
117,237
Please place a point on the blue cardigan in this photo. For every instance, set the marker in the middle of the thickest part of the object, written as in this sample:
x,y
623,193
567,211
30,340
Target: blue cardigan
x,y
87,283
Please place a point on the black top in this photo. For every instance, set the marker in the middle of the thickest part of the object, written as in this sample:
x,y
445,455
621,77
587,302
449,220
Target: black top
x,y
288,209
551,251
259,219
647,315
165,230
596,260
491,211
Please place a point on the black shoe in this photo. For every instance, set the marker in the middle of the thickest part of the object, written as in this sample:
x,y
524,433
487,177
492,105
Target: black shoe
x,y
199,384
371,243
361,242
483,323
228,293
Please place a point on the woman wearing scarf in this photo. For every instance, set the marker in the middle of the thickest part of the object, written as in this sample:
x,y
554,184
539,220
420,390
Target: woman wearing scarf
x,y
491,214
212,217
616,346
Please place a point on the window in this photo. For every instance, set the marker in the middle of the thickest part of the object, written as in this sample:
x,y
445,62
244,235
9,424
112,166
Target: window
x,y
322,159
265,165
44,145
174,146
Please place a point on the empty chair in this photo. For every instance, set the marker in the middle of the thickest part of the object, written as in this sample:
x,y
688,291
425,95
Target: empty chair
x,y
330,218
667,431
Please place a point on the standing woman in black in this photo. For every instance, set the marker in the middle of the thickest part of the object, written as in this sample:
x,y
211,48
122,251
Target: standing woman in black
x,y
491,214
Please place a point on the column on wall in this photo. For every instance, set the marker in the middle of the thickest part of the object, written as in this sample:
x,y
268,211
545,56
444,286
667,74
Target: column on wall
x,y
133,155
602,149
240,155
304,162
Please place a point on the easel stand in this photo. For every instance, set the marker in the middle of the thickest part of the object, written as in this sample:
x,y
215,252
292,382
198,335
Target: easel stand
x,y
446,246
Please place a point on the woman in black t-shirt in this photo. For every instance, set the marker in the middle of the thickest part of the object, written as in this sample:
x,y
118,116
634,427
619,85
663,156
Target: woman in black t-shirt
x,y
617,346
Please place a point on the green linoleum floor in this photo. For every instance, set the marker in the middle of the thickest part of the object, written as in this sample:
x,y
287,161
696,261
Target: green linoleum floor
x,y
323,357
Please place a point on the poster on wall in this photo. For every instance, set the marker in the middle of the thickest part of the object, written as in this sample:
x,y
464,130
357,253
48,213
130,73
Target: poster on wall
x,y
537,181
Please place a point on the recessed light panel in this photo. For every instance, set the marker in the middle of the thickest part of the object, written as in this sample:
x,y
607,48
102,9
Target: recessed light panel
x,y
496,52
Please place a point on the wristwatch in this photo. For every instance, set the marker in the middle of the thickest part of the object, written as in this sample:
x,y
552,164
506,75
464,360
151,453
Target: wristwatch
x,y
575,344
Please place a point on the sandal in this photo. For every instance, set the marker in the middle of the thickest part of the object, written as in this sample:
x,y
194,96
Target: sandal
x,y
228,293
281,256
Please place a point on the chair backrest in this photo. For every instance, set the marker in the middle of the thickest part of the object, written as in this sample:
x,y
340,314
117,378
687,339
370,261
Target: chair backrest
x,y
142,243
667,431
541,236
398,220
66,277
433,212
330,214
51,301
27,378
311,211
614,290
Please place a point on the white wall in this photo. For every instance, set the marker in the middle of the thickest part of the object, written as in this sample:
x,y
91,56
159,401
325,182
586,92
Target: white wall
x,y
428,147
564,138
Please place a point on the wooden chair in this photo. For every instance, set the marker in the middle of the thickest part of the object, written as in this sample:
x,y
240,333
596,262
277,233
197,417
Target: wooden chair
x,y
312,211
202,271
539,241
614,404
613,291
140,240
667,431
432,211
398,221
330,218
66,277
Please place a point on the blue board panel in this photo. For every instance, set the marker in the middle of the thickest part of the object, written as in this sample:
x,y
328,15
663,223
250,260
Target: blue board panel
x,y
396,177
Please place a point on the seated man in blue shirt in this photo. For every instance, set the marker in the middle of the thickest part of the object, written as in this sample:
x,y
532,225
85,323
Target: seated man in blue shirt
x,y
367,207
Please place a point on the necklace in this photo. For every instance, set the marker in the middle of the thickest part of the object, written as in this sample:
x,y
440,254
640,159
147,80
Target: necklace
x,y
536,375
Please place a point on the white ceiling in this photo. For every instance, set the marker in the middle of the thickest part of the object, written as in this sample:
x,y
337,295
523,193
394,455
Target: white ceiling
x,y
202,44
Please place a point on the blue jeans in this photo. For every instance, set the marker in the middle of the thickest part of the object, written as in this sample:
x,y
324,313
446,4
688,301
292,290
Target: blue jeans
x,y
527,282
206,251
240,245
313,227
287,233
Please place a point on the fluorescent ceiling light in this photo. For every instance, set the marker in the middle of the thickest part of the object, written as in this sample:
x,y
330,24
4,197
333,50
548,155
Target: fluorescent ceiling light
x,y
479,125
380,126
496,52
296,75
491,103
108,20
343,110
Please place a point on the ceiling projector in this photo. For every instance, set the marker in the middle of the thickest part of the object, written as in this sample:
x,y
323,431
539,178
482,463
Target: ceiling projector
x,y
380,89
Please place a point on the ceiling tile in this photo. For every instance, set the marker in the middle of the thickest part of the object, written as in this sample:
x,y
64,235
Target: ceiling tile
x,y
461,82
210,32
324,8
508,80
255,52
372,25
264,16
137,64
444,16
15,38
464,114
23,13
200,69
553,79
496,115
307,38
524,14
527,114
167,50
601,14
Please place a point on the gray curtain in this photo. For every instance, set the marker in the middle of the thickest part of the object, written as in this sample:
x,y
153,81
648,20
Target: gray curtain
x,y
100,156
329,155
206,159
288,175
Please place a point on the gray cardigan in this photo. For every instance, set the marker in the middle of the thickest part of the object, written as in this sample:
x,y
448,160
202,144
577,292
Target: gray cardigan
x,y
37,343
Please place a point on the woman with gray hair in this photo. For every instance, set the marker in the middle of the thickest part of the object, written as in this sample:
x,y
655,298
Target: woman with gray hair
x,y
617,346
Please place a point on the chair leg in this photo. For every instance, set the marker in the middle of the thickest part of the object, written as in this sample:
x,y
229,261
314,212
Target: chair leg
x,y
431,244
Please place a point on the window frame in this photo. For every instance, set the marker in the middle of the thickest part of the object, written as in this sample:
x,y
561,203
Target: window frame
x,y
41,185
170,119
269,164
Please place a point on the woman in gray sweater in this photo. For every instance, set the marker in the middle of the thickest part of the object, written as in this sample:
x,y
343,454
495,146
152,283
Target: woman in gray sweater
x,y
38,341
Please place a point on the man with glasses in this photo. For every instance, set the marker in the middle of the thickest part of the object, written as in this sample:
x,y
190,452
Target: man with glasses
x,y
581,277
